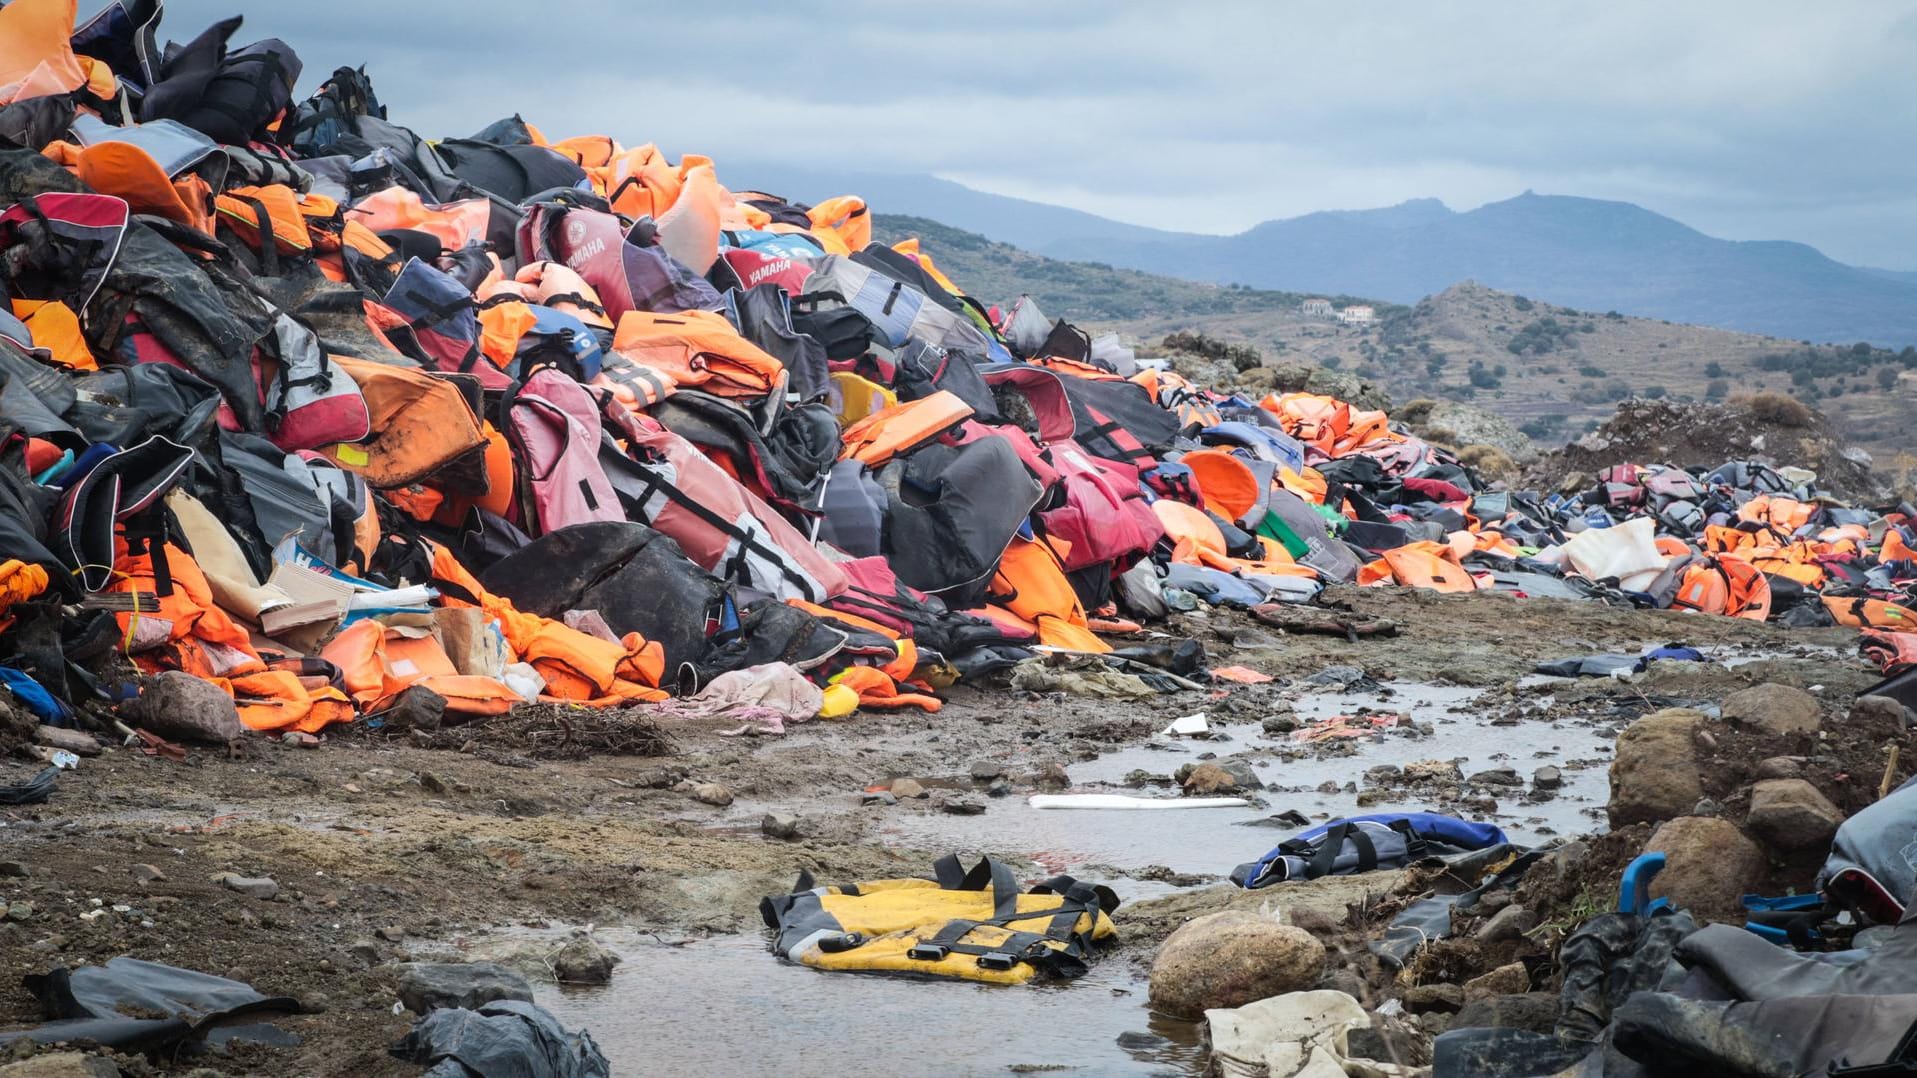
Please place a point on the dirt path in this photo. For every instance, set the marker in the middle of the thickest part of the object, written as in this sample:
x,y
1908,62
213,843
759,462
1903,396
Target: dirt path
x,y
382,847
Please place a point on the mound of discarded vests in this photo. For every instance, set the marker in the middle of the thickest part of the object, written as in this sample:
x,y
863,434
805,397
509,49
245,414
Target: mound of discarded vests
x,y
322,412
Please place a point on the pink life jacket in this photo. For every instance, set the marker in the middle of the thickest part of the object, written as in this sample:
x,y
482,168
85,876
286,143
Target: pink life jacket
x,y
624,275
1104,518
719,523
553,426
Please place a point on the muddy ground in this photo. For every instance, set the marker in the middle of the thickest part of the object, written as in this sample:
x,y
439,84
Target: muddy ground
x,y
389,846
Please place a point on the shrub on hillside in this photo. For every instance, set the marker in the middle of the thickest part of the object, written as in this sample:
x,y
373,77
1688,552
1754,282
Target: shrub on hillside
x,y
1488,461
1241,357
1780,409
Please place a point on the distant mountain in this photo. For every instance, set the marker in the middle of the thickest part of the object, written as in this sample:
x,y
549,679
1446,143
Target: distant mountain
x,y
1554,370
1578,252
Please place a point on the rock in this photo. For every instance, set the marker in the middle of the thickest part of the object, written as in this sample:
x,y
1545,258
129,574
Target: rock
x,y
1279,724
1506,980
878,797
424,986
1654,775
1206,779
903,788
583,960
1426,998
147,874
1547,778
711,793
1792,815
1342,980
1710,865
367,952
1229,959
1138,778
963,806
1781,767
1241,772
433,784
15,870
77,742
1778,710
1507,924
779,825
20,911
999,787
987,770
390,933
1439,771
1534,1011
1053,776
176,704
1879,709
61,1065
1497,776
415,708
261,887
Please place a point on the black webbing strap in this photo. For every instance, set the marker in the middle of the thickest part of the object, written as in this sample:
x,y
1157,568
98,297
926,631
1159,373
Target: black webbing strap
x,y
652,483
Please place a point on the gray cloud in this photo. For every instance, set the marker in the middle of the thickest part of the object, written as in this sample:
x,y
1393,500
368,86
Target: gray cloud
x,y
1750,119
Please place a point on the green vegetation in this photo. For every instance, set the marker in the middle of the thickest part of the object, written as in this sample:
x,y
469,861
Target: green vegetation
x,y
1241,357
1084,291
1547,334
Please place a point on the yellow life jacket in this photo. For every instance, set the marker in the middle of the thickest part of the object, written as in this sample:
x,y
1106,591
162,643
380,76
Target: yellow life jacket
x,y
965,925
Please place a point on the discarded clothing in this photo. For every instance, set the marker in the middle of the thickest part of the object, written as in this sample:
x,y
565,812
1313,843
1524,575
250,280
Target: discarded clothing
x,y
1357,844
765,698
1090,679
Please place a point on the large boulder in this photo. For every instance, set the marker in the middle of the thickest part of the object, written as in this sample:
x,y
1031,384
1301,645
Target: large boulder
x,y
177,705
1778,710
583,960
1709,866
427,985
1654,775
1229,959
1792,815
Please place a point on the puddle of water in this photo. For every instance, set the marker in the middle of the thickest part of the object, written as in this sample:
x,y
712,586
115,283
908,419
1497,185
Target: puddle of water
x,y
1211,841
726,1006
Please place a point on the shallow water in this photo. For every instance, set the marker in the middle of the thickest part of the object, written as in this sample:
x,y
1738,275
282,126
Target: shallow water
x,y
1212,841
726,1006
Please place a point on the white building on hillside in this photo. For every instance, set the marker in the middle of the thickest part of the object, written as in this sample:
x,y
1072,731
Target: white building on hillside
x,y
1357,315
1315,308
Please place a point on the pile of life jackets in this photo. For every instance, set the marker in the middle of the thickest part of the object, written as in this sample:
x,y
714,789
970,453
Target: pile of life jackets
x,y
322,411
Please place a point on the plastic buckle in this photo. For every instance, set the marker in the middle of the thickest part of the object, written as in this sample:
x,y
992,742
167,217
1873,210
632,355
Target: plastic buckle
x,y
997,960
929,952
842,942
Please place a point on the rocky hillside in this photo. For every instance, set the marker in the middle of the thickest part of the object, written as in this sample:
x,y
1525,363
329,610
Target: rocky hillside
x,y
1553,371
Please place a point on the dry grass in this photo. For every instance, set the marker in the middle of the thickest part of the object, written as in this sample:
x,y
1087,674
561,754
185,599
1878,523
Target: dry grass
x,y
1488,461
1778,409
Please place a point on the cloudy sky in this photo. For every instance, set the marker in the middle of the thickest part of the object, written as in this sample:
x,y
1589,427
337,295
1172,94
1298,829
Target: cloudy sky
x,y
1749,119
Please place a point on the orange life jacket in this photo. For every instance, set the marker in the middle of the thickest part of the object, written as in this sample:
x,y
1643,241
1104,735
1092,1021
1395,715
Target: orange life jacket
x,y
1228,487
420,423
1426,564
129,172
377,663
1728,586
698,349
57,329
842,224
1031,585
903,427
1859,612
